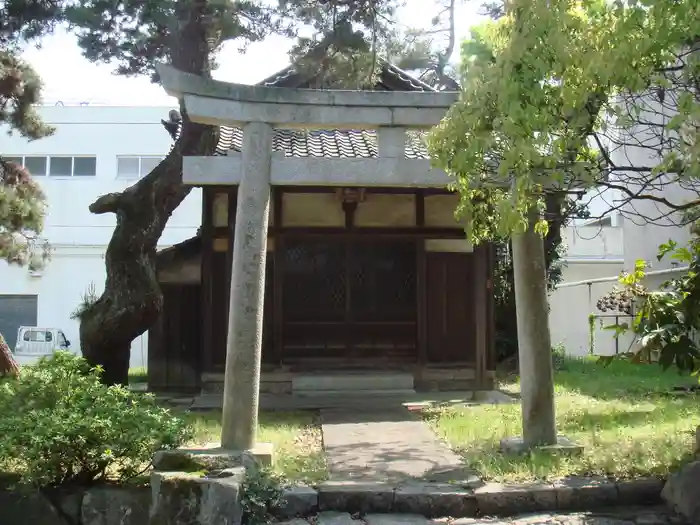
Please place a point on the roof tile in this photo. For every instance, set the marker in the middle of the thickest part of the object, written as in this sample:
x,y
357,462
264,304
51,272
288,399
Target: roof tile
x,y
333,143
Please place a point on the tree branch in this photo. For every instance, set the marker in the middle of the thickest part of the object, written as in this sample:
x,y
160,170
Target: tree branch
x,y
108,203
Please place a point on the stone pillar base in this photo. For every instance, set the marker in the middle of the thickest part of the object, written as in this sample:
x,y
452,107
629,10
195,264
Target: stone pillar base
x,y
564,445
211,458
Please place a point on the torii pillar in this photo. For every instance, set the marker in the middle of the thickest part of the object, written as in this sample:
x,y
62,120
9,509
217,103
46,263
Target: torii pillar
x,y
247,294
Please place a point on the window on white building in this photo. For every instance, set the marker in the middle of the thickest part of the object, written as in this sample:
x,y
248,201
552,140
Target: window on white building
x,y
57,165
135,167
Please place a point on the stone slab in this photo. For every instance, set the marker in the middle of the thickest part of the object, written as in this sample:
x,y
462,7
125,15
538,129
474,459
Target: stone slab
x,y
435,499
180,497
355,497
578,493
116,506
641,491
353,382
367,393
497,499
614,516
396,519
26,508
336,518
299,500
390,400
212,458
383,446
682,491
564,445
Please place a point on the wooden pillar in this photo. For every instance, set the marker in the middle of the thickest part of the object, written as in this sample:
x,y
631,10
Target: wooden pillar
x,y
278,277
421,285
207,238
491,342
480,280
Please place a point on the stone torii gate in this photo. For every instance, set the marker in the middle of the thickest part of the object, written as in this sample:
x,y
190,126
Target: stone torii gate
x,y
257,110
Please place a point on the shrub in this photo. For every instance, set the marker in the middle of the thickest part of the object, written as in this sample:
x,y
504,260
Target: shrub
x,y
261,493
559,357
60,426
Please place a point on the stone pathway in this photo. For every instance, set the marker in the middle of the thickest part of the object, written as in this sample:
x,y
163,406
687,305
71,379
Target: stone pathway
x,y
385,445
621,516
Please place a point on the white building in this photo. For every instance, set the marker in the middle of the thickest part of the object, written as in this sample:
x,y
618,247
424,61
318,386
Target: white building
x,y
615,243
102,149
95,150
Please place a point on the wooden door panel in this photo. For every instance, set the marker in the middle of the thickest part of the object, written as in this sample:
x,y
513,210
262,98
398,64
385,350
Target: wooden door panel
x,y
349,297
450,307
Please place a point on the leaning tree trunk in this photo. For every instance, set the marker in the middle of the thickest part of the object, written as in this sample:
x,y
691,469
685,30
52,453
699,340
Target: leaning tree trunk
x,y
8,365
132,300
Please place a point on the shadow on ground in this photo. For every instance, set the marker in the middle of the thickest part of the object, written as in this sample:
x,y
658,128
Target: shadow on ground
x,y
386,445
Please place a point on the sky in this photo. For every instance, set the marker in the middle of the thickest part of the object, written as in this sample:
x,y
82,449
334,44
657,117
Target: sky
x,y
71,79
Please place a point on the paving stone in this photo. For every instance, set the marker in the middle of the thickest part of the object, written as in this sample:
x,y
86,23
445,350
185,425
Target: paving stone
x,y
299,500
336,518
585,493
506,500
434,500
627,515
548,519
383,445
395,519
476,521
349,496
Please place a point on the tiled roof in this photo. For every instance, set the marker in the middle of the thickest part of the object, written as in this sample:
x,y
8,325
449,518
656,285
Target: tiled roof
x,y
332,143
323,143
391,78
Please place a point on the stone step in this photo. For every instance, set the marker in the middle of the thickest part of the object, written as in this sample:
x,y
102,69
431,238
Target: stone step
x,y
358,393
363,382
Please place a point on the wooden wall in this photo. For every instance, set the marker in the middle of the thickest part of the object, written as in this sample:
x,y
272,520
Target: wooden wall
x,y
451,309
174,341
453,300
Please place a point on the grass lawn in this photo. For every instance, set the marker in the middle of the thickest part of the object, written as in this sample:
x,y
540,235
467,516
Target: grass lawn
x,y
618,413
297,439
138,375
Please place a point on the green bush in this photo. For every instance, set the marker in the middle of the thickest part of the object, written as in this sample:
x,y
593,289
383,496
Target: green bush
x,y
262,492
60,426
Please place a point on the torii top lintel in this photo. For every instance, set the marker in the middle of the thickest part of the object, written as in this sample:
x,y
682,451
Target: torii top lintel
x,y
227,104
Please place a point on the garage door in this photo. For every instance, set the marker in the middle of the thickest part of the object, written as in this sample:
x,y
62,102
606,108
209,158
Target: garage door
x,y
16,311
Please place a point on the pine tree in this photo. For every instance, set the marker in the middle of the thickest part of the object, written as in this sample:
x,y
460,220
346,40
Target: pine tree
x,y
188,34
22,203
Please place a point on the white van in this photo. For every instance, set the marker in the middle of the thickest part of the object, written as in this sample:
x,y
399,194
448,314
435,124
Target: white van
x,y
34,342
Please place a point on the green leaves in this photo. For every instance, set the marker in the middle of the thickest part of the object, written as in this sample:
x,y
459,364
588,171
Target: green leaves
x,y
22,203
262,492
61,426
540,81
135,35
665,321
22,211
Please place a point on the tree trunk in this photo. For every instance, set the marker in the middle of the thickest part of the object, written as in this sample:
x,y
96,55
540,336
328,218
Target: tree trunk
x,y
132,299
8,365
555,219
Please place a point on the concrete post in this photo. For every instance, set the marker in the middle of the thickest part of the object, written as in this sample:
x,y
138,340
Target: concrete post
x,y
245,323
534,347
